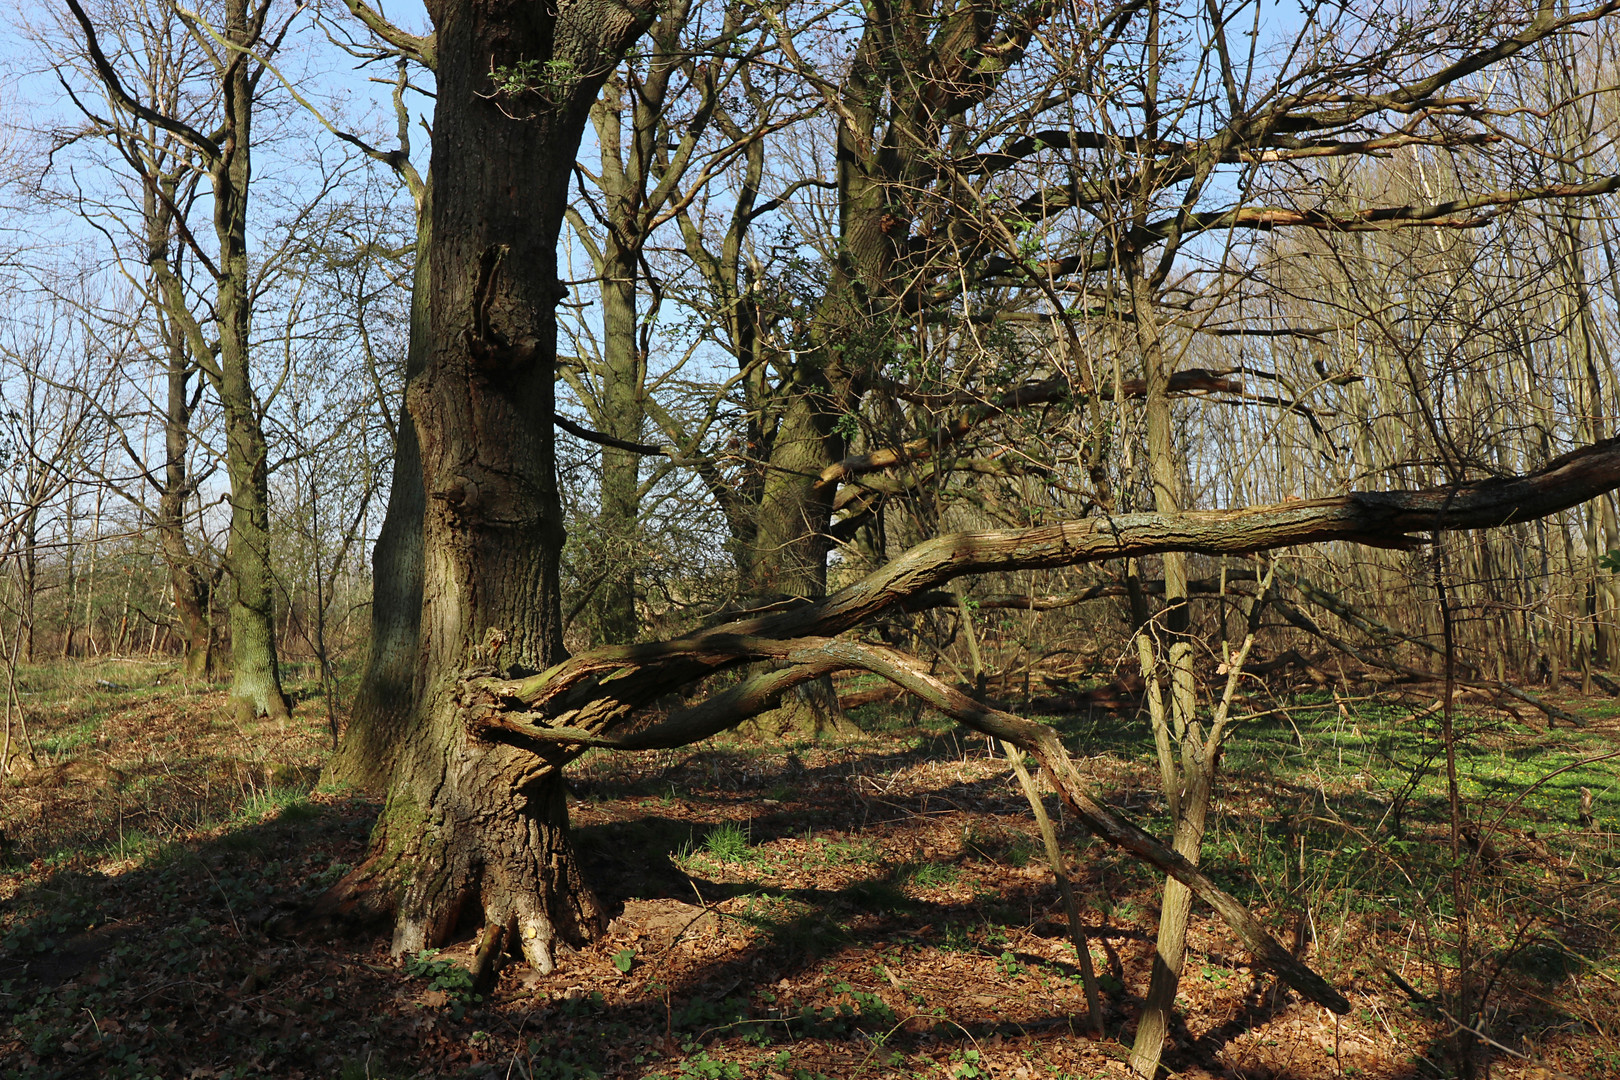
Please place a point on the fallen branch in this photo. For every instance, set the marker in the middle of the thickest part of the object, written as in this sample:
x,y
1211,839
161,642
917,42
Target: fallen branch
x,y
811,658
599,690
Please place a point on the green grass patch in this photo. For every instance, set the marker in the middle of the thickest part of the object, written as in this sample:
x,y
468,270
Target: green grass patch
x,y
931,875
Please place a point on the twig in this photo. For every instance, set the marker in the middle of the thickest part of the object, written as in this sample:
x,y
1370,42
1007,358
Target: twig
x,y
1054,855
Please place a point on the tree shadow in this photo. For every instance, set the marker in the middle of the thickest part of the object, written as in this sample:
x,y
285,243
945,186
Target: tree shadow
x,y
203,955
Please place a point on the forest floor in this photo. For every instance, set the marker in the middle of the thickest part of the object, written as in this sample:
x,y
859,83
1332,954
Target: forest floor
x,y
877,906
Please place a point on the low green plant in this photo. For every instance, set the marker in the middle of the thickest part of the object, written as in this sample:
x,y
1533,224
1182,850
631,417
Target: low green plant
x,y
966,1064
864,1008
728,843
844,852
445,976
931,875
701,1066
1022,851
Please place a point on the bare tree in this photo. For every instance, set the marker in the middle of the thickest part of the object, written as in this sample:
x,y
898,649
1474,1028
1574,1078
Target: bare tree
x,y
234,56
1150,180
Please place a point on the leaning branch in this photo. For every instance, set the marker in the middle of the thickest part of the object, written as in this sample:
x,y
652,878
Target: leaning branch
x,y
599,690
580,702
811,658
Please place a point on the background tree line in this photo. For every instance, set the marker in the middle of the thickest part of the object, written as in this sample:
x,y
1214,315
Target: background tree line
x,y
701,233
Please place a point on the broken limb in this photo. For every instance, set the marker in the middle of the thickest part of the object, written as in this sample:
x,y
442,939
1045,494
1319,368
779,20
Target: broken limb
x,y
812,658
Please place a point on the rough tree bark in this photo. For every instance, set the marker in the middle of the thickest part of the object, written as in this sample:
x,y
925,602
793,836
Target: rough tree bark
x,y
192,587
471,824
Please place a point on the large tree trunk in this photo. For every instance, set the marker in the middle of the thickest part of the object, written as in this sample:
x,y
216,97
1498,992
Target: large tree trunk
x,y
791,541
471,823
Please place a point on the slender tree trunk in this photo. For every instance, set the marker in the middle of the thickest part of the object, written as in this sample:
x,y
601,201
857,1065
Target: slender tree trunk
x,y
192,593
633,135
191,587
1191,804
30,581
255,672
621,417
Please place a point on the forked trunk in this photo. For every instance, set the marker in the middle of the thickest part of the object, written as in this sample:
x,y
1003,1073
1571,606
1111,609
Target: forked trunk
x,y
474,832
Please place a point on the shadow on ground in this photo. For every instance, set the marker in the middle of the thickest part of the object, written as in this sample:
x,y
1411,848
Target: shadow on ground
x,y
862,925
